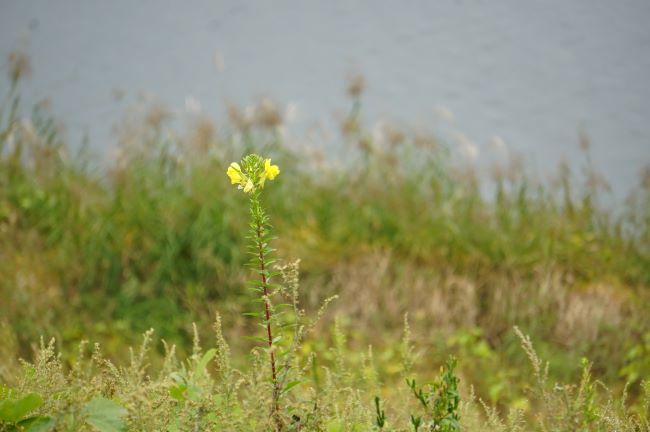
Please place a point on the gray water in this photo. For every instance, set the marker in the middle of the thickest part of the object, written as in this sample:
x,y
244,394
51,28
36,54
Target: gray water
x,y
530,74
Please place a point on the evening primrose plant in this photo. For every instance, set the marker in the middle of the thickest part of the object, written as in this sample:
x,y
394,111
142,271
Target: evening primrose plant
x,y
251,177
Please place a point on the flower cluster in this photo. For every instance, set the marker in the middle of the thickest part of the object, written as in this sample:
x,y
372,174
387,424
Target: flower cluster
x,y
252,173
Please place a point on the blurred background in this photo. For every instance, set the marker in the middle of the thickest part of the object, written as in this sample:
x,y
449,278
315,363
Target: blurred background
x,y
531,75
477,165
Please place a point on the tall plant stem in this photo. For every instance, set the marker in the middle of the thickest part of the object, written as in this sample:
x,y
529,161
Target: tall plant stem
x,y
267,310
260,238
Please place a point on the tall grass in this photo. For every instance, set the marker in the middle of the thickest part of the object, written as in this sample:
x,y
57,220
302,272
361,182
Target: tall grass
x,y
153,239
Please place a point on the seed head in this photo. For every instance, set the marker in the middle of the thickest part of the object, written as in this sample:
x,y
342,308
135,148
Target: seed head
x,y
356,85
19,66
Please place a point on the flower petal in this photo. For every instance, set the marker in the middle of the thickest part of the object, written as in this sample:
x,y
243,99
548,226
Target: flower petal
x,y
270,171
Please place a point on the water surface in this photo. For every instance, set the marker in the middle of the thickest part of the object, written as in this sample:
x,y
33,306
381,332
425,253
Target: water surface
x,y
533,73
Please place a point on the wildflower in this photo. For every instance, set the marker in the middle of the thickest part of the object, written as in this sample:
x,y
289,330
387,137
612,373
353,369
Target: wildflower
x,y
254,173
235,174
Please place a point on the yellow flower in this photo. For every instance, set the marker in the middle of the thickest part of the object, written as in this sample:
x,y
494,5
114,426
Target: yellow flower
x,y
249,186
270,171
254,174
234,172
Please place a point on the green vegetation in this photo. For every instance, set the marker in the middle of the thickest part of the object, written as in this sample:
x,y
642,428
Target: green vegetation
x,y
156,239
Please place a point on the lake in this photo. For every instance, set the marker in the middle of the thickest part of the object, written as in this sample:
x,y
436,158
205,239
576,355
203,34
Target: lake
x,y
526,75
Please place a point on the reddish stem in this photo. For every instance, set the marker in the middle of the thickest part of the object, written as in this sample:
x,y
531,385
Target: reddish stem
x,y
267,313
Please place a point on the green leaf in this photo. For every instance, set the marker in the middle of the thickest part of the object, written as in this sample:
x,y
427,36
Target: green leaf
x,y
290,385
194,393
252,314
178,392
287,325
105,415
38,424
179,378
13,410
203,363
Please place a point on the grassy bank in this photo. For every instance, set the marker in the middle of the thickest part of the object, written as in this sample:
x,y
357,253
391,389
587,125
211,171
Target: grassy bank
x,y
155,239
